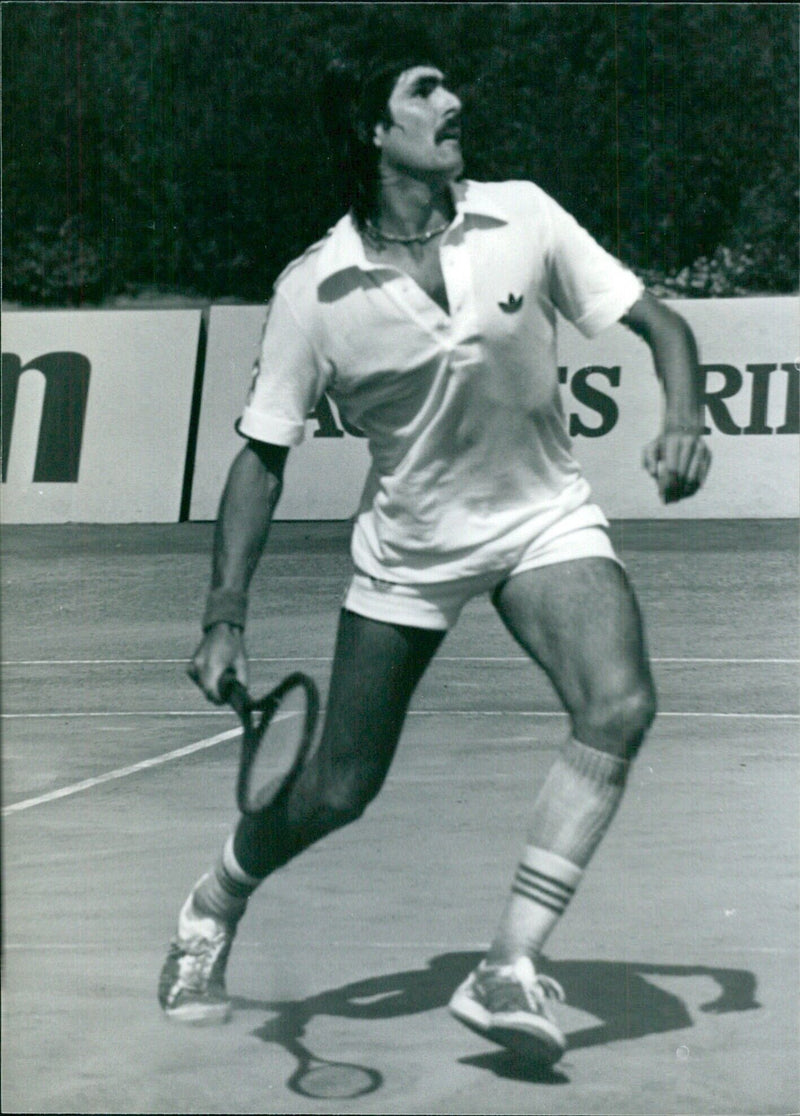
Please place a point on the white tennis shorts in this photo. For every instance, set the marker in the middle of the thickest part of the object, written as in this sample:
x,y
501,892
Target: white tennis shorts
x,y
438,604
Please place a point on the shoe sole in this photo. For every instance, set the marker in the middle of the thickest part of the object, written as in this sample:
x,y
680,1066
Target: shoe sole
x,y
199,1015
532,1043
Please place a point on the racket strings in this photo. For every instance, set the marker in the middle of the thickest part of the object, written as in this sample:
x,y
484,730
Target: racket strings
x,y
278,738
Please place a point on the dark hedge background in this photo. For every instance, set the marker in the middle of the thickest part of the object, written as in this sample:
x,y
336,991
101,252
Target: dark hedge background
x,y
175,148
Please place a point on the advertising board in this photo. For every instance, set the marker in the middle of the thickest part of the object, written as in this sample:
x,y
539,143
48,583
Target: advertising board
x,y
96,408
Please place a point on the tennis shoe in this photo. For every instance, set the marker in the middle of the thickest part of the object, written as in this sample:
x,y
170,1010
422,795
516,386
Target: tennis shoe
x,y
191,988
508,1004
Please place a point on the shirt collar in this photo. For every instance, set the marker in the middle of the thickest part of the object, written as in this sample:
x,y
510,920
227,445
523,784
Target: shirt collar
x,y
475,197
344,249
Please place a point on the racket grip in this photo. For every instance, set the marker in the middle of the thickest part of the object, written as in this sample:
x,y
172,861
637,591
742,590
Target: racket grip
x,y
233,692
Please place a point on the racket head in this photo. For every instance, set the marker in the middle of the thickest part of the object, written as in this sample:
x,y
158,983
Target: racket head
x,y
278,732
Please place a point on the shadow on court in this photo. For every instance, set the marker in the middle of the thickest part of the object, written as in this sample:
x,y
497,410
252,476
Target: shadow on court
x,y
618,993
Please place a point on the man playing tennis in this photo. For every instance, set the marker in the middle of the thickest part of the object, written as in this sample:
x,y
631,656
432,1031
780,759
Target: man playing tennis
x,y
428,314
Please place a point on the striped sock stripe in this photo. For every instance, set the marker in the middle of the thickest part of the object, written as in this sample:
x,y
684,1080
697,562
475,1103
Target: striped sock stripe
x,y
540,888
534,898
547,883
550,897
235,888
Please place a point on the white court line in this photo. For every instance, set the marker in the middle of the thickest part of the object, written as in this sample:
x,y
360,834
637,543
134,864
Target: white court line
x,y
730,662
117,713
327,659
200,745
442,947
142,662
120,773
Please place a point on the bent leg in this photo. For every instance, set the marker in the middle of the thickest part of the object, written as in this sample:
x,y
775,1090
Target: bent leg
x,y
376,668
579,620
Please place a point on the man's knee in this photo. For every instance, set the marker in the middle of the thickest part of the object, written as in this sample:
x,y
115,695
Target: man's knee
x,y
618,723
342,800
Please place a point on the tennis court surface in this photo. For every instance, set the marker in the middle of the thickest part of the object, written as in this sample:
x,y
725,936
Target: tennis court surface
x,y
679,955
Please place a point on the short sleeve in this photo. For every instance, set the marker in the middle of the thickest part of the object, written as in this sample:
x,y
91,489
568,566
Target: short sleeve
x,y
288,380
589,286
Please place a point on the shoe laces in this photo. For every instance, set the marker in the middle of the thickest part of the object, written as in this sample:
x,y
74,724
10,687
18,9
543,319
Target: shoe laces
x,y
510,984
204,942
200,957
536,987
548,987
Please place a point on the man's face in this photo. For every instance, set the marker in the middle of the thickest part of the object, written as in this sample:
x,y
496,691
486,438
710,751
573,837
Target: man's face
x,y
424,138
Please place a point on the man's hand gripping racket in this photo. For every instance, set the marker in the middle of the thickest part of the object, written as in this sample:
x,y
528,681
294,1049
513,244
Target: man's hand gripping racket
x,y
275,744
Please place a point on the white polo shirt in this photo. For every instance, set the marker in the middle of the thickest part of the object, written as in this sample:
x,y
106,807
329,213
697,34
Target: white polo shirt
x,y
467,435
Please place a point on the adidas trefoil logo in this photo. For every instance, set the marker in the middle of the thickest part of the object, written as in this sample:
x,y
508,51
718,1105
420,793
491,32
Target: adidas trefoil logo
x,y
513,304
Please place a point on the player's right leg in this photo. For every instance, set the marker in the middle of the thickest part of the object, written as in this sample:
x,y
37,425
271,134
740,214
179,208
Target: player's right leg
x,y
375,670
579,620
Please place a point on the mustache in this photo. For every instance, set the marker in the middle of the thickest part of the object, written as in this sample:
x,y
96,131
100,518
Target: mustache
x,y
450,129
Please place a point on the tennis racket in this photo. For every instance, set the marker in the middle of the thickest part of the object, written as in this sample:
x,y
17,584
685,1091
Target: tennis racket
x,y
278,732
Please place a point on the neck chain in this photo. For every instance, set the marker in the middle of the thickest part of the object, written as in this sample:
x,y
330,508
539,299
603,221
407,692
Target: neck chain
x,y
420,238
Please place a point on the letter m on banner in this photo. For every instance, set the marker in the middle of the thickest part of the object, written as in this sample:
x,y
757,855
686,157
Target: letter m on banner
x,y
66,393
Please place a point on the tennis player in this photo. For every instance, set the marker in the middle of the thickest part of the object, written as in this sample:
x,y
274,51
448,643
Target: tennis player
x,y
428,313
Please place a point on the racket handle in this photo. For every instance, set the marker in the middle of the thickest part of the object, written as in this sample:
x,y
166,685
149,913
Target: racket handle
x,y
233,692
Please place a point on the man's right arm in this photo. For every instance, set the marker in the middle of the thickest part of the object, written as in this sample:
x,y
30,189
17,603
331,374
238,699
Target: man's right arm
x,y
248,501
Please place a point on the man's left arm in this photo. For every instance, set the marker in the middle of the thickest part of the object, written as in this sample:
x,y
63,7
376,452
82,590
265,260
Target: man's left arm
x,y
678,459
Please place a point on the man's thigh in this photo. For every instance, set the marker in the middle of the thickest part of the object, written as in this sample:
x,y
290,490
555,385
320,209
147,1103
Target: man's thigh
x,y
581,622
376,667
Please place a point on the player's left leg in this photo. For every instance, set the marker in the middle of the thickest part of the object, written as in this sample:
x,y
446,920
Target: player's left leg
x,y
580,621
375,669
